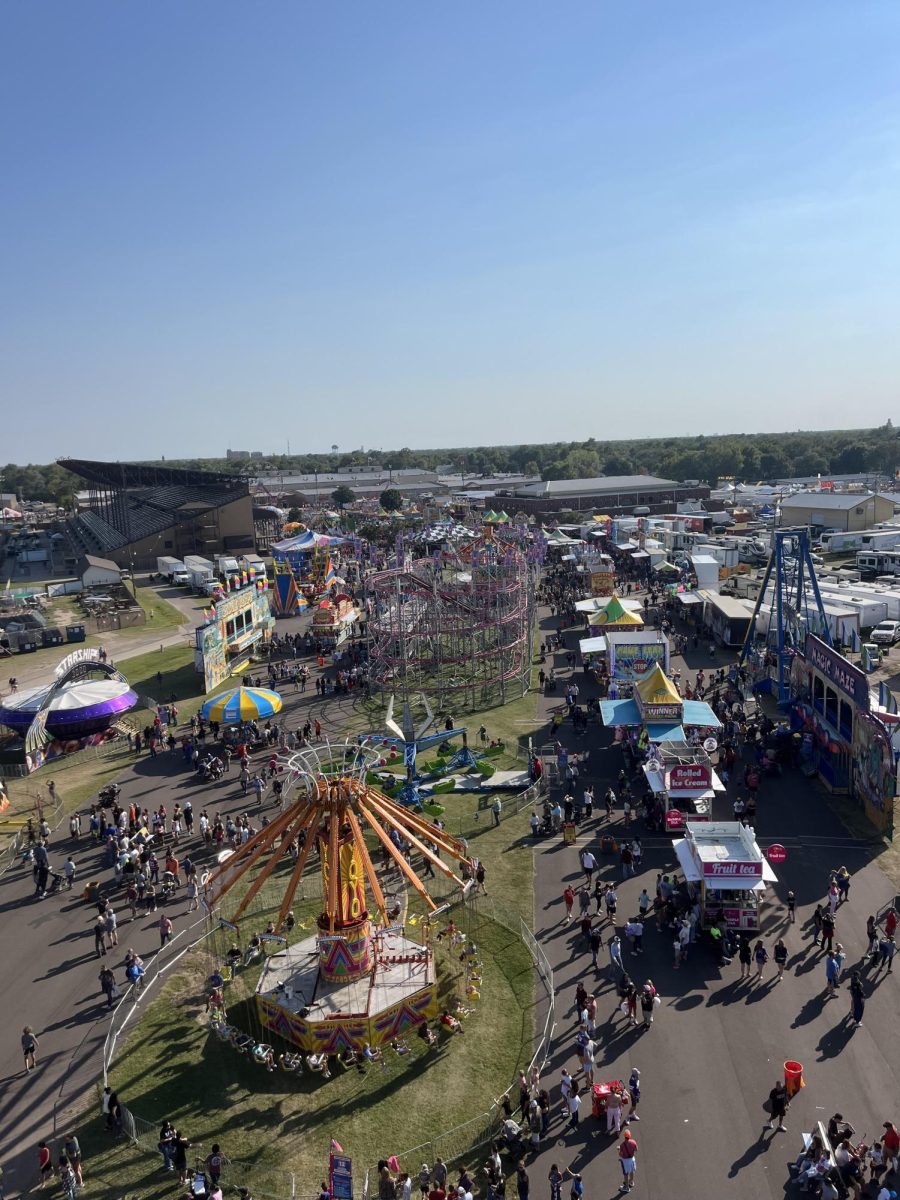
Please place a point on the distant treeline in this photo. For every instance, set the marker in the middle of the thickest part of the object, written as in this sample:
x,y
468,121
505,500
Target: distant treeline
x,y
747,458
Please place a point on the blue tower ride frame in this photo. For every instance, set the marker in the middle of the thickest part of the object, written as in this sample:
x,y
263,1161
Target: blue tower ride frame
x,y
790,568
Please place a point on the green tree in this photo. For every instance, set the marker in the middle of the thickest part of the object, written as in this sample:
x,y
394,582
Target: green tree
x,y
294,514
391,500
343,495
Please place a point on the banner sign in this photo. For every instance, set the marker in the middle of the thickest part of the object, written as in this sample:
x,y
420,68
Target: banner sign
x,y
734,871
340,1176
632,660
837,670
689,777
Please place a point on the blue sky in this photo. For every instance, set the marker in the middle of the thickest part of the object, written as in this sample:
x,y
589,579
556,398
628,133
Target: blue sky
x,y
415,224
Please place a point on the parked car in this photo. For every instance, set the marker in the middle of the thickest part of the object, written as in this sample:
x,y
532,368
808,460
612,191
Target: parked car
x,y
886,633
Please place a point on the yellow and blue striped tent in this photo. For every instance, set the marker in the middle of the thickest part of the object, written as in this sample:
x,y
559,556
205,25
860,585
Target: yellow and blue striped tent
x,y
241,704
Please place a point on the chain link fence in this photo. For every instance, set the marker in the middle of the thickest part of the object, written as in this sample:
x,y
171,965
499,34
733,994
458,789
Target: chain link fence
x,y
454,1144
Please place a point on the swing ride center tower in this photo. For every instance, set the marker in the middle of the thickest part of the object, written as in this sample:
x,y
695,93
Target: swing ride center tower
x,y
358,979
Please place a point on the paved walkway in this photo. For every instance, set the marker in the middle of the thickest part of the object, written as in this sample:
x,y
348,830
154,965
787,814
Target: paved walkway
x,y
50,979
717,1045
714,1052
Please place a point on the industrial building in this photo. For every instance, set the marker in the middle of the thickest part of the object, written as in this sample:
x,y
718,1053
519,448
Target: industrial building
x,y
612,494
838,510
134,513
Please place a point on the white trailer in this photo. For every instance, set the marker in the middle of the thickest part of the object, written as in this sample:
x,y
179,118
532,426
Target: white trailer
x,y
201,571
167,566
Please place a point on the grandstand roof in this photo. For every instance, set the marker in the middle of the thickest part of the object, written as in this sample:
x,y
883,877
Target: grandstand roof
x,y
133,501
131,475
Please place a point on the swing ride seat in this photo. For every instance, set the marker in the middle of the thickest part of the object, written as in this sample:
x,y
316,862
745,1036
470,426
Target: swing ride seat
x,y
292,1063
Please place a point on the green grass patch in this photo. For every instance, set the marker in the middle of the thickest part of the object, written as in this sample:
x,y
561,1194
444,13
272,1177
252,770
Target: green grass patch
x,y
166,616
171,1065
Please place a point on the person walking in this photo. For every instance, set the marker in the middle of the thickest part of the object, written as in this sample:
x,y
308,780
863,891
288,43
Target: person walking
x,y
165,930
166,1144
72,1149
634,1091
107,985
628,1149
648,1003
857,999
29,1045
569,900
745,956
791,906
778,1101
780,954
761,957
613,1113
45,1163
827,931
832,971
596,940
886,950
573,1101
615,955
496,809
871,933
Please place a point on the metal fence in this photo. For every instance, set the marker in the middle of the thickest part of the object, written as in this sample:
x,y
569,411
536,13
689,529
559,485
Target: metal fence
x,y
451,1144
28,803
456,1143
144,1132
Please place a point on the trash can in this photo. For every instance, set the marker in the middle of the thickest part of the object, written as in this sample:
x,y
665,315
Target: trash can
x,y
570,832
75,633
793,1077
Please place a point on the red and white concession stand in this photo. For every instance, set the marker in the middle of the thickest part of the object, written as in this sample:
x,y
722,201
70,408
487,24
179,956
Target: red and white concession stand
x,y
730,869
684,781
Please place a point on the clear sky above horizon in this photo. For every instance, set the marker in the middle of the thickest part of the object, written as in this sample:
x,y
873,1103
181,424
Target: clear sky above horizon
x,y
371,225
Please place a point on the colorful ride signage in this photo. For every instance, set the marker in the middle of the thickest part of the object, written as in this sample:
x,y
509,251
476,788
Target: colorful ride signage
x,y
689,777
846,677
340,1176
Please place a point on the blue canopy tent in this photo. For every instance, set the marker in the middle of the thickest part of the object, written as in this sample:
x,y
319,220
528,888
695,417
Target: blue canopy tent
x,y
626,712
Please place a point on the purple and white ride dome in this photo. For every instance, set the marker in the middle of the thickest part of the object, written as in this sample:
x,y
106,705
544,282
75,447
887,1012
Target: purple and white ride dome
x,y
78,708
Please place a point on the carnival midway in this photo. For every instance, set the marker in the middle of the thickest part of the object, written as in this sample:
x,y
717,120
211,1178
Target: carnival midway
x,y
483,856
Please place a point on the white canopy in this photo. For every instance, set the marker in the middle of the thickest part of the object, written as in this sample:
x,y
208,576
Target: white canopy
x,y
686,861
592,645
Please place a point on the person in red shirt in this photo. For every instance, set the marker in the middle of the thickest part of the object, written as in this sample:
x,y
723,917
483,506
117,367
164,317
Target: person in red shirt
x,y
628,1158
569,898
437,1193
45,1162
890,1144
890,924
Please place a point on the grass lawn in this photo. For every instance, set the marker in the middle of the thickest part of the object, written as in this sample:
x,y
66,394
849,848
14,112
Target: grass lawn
x,y
172,1066
166,616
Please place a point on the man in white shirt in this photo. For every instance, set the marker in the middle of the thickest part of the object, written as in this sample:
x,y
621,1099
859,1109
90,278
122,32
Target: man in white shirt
x,y
588,864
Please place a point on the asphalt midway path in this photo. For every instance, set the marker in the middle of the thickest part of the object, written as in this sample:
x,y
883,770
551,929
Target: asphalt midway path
x,y
50,974
715,1050
717,1044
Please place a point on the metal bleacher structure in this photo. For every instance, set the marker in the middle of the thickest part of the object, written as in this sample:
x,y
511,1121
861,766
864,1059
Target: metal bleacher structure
x,y
129,503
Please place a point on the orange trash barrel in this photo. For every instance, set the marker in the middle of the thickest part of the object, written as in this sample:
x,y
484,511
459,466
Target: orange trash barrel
x,y
793,1077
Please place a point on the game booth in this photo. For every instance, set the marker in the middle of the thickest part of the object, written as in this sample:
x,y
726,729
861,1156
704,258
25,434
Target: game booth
x,y
333,620
657,713
725,862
